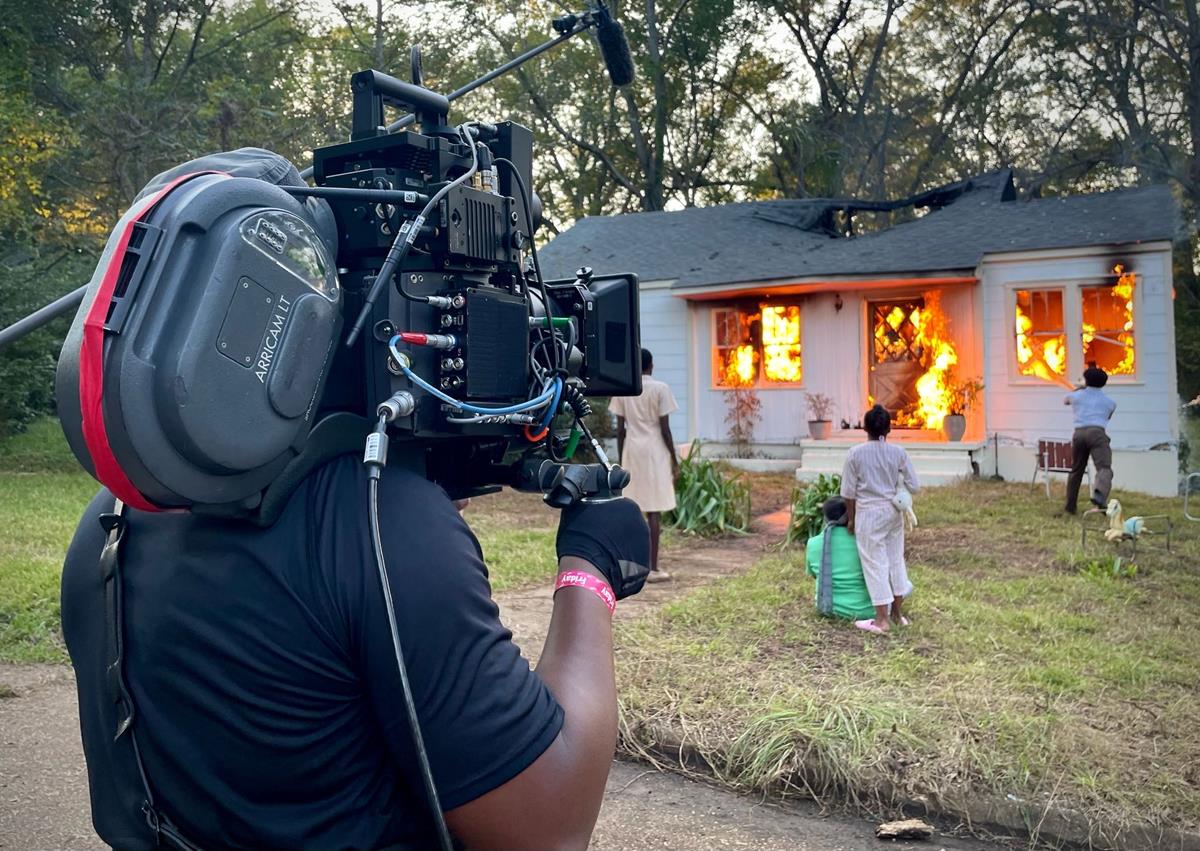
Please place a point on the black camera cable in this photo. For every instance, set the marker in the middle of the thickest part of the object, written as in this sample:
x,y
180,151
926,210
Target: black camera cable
x,y
375,459
527,203
405,237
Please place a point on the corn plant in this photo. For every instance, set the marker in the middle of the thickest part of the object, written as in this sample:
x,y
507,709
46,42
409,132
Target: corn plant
x,y
808,518
710,499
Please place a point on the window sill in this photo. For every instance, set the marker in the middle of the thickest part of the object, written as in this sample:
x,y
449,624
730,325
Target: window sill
x,y
771,387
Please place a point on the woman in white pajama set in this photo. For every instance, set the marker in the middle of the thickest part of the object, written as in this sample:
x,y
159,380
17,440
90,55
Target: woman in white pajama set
x,y
871,477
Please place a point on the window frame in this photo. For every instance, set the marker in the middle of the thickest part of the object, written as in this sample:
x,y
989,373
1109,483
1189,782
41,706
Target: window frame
x,y
1014,373
1072,289
1123,378
751,306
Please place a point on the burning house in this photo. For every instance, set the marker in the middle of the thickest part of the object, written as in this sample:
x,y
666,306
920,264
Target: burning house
x,y
971,287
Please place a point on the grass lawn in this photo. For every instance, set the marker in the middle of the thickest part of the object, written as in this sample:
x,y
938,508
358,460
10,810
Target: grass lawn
x,y
1030,671
43,492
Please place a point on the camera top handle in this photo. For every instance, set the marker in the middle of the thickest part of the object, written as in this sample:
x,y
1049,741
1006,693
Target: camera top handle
x,y
373,89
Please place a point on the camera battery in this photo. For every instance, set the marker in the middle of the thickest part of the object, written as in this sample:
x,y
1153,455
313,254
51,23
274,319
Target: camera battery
x,y
497,345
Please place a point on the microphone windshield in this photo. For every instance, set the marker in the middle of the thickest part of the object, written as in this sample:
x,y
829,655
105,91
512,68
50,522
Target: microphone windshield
x,y
614,47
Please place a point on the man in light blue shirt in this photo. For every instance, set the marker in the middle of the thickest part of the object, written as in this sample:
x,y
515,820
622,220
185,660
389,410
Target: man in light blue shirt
x,y
1092,409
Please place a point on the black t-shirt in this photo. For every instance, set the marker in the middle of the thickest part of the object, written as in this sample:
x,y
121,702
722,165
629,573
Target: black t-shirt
x,y
269,706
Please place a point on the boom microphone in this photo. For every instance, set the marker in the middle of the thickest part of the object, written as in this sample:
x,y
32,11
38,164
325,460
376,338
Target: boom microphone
x,y
614,47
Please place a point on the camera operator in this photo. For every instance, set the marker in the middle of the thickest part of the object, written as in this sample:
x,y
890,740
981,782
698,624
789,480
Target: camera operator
x,y
269,703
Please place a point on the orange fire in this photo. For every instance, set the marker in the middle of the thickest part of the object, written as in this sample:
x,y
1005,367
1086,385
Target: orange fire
x,y
770,335
781,342
891,339
933,388
929,338
741,366
1040,354
1107,324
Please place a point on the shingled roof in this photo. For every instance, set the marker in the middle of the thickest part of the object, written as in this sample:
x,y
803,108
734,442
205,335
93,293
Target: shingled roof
x,y
772,240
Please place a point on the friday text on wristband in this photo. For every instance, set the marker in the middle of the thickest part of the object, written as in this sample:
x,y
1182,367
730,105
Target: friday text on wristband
x,y
582,579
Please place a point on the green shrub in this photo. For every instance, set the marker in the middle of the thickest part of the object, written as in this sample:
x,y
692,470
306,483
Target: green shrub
x,y
807,516
710,499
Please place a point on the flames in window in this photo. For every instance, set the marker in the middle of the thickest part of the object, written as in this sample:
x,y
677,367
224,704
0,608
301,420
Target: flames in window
x,y
781,343
1041,339
748,338
741,366
933,388
1108,324
735,359
897,333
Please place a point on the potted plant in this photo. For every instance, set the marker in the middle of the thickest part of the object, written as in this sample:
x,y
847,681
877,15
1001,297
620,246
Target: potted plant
x,y
821,407
962,395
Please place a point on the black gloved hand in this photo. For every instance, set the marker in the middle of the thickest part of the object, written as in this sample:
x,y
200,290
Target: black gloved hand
x,y
612,536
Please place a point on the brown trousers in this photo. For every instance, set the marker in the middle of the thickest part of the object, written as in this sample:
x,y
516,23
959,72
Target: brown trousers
x,y
1090,441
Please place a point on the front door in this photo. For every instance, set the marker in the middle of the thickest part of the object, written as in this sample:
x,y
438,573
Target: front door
x,y
894,347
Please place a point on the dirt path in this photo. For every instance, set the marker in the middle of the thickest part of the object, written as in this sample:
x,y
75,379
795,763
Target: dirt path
x,y
527,612
43,786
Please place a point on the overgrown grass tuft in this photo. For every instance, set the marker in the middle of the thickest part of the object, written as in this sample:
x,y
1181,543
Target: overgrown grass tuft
x,y
1025,672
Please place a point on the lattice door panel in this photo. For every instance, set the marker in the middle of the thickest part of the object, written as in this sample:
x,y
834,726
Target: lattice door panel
x,y
893,338
895,333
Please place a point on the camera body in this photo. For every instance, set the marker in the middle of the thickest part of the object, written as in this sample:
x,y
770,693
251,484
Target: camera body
x,y
209,365
473,253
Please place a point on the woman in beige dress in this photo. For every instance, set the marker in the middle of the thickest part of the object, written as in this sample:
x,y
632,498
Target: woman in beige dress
x,y
648,452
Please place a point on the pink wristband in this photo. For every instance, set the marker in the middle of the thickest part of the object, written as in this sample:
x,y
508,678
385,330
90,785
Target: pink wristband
x,y
582,579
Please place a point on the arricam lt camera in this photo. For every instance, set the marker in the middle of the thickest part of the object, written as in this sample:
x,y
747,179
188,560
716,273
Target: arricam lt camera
x,y
243,325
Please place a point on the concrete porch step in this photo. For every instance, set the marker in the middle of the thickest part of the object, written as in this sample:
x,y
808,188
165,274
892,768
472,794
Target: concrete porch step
x,y
936,464
763,465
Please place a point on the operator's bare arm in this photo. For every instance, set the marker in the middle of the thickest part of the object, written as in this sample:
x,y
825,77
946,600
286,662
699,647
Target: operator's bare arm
x,y
664,426
850,515
558,797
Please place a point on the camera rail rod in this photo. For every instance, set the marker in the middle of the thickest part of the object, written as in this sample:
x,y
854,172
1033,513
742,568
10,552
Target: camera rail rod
x,y
42,316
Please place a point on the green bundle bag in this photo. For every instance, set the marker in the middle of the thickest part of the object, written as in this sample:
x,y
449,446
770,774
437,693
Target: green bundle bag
x,y
849,598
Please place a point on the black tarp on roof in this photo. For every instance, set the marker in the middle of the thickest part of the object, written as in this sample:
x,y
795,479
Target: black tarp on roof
x,y
768,240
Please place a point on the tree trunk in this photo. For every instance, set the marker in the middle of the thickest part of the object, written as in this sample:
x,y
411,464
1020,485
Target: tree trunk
x,y
1192,93
653,199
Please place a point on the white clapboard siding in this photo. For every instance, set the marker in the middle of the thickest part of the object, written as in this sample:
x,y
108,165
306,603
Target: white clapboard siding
x,y
664,331
1146,406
